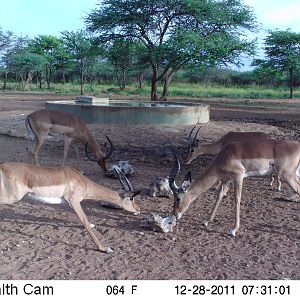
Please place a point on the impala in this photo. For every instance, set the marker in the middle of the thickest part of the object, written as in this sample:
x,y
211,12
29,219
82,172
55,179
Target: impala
x,y
62,184
234,163
40,122
195,148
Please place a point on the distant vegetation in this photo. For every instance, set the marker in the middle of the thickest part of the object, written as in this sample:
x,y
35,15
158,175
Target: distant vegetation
x,y
155,48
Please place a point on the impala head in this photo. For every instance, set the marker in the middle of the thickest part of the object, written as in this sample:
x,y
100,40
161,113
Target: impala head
x,y
97,154
128,195
193,146
181,202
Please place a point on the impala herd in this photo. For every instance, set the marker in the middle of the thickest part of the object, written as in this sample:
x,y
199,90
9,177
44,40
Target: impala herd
x,y
238,155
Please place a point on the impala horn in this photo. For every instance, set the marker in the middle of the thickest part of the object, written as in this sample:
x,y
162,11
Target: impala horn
x,y
192,141
190,136
123,180
174,172
90,157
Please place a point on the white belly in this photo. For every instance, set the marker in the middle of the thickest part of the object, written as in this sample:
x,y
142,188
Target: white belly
x,y
44,199
257,168
48,194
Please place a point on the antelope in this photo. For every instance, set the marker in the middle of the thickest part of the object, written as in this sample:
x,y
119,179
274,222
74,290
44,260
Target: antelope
x,y
63,184
195,148
40,122
235,162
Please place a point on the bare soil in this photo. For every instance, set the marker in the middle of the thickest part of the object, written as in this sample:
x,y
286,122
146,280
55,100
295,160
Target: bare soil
x,y
39,241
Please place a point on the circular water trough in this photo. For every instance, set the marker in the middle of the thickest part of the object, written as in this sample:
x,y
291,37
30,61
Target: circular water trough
x,y
135,112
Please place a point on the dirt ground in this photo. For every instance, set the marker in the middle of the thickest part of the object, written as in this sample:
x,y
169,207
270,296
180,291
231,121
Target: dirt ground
x,y
39,241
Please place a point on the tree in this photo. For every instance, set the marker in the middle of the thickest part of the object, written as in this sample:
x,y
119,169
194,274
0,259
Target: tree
x,y
17,45
175,33
47,46
82,48
121,56
25,64
282,50
6,39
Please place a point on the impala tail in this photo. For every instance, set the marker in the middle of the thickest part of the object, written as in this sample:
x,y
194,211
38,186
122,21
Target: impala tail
x,y
29,129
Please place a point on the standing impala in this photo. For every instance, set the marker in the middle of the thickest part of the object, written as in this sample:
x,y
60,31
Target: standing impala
x,y
40,122
195,148
234,163
56,185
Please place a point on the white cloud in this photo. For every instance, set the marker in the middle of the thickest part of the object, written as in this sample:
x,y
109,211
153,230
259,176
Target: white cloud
x,y
277,14
286,16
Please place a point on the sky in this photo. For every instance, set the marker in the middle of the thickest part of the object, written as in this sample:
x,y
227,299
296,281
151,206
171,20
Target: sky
x,y
50,17
44,17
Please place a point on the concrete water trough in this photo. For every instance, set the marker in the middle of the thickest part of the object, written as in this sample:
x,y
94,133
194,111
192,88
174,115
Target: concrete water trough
x,y
104,111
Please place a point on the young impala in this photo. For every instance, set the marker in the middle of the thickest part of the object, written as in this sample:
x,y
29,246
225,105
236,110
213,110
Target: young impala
x,y
195,149
40,122
56,185
234,163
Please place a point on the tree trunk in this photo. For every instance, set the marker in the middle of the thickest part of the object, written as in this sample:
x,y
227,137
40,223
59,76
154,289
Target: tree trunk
x,y
81,77
154,84
63,77
141,79
291,83
48,75
5,81
166,84
123,79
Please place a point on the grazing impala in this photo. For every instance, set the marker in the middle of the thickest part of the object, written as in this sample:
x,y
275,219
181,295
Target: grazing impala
x,y
234,163
56,185
195,148
40,122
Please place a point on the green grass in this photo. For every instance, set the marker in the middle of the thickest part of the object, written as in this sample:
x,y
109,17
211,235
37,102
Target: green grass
x,y
175,89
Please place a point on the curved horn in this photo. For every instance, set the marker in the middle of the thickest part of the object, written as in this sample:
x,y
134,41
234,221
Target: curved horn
x,y
190,135
89,156
174,172
110,150
195,137
122,177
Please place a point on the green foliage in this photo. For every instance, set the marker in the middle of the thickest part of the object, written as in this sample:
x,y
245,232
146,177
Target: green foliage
x,y
177,32
6,39
282,50
83,49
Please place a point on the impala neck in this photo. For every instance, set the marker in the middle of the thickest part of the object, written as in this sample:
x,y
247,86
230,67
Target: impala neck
x,y
203,183
94,147
96,192
213,148
200,185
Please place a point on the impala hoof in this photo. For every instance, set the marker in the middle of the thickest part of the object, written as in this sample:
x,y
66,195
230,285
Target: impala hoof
x,y
205,223
109,250
232,232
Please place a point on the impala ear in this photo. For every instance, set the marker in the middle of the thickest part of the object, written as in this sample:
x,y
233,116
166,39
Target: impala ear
x,y
196,143
187,181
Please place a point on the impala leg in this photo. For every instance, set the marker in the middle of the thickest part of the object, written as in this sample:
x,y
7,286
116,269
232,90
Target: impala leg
x,y
84,220
272,179
222,192
67,144
279,183
38,142
218,185
238,186
77,156
293,182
